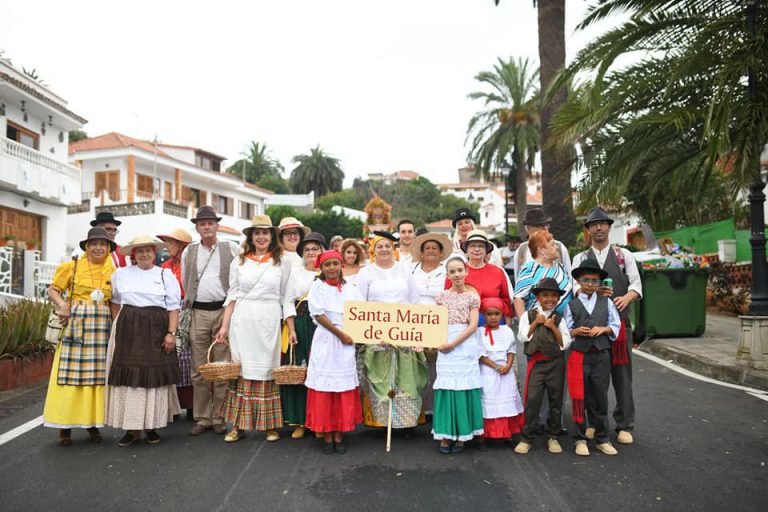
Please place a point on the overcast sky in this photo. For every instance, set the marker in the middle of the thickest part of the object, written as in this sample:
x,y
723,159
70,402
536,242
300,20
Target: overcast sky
x,y
380,85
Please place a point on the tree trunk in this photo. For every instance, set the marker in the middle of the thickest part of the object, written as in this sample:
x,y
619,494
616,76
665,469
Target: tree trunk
x,y
521,192
555,172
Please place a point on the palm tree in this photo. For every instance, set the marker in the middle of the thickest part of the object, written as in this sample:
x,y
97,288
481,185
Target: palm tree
x,y
506,132
316,171
257,163
679,113
555,159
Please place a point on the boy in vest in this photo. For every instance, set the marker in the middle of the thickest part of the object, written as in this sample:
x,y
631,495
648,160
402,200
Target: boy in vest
x,y
546,336
594,324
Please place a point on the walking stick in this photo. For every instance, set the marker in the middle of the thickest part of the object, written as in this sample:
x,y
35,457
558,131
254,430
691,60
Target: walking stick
x,y
391,395
389,425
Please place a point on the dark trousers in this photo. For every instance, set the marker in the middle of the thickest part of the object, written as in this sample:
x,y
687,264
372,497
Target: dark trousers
x,y
546,377
621,377
597,379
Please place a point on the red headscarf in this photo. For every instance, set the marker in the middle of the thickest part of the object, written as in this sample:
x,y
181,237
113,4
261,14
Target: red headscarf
x,y
491,302
328,255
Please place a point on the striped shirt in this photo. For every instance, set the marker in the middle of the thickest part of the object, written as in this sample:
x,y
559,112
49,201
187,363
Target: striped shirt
x,y
531,273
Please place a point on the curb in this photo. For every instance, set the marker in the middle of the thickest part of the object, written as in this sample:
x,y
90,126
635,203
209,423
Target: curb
x,y
731,373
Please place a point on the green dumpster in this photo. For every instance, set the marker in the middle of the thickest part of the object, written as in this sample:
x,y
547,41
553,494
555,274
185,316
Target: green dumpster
x,y
674,303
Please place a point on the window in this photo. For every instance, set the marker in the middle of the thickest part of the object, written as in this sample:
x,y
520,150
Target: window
x,y
207,162
190,195
168,192
108,181
22,135
144,186
223,204
247,210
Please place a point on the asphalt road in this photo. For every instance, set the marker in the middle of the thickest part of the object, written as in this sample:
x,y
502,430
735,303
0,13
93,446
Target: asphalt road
x,y
699,446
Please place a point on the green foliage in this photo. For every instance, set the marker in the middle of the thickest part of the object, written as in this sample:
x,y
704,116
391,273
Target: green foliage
x,y
676,135
332,223
22,328
355,198
280,212
76,135
257,164
316,171
276,184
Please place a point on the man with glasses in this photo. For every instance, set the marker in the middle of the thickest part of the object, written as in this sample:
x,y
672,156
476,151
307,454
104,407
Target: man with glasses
x,y
108,221
625,288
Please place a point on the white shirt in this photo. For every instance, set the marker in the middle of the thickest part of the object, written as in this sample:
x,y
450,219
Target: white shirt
x,y
510,254
395,285
209,289
564,256
614,321
630,267
264,282
429,284
524,327
158,287
302,280
326,300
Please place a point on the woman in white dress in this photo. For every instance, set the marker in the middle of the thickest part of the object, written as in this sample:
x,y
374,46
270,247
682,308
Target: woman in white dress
x,y
142,366
387,370
260,295
294,397
291,232
353,260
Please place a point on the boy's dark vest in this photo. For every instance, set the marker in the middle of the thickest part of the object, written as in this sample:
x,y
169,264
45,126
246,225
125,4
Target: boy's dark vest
x,y
598,318
542,339
618,274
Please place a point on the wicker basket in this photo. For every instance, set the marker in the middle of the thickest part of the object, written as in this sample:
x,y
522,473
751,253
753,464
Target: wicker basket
x,y
290,375
219,371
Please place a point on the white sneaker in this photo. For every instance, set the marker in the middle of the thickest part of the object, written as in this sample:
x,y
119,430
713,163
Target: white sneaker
x,y
553,446
581,448
523,447
607,448
625,437
590,433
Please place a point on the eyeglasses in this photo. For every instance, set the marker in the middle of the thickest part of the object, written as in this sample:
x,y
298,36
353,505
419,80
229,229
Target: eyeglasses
x,y
111,230
291,234
589,281
480,245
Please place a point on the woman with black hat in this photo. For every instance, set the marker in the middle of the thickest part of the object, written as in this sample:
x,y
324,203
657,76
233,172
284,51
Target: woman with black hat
x,y
388,280
81,290
295,397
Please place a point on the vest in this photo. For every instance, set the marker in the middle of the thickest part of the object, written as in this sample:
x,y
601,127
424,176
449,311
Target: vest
x,y
598,318
542,339
191,273
617,273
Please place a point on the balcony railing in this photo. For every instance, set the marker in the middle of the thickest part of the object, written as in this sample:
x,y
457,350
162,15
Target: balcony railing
x,y
129,209
14,149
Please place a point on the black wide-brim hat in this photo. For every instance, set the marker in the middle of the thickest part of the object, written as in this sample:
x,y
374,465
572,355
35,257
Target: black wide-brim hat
x,y
589,266
536,217
314,237
597,214
386,234
547,284
98,233
103,217
461,214
205,213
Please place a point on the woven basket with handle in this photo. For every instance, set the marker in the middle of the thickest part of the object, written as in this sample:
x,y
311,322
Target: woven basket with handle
x,y
290,374
219,371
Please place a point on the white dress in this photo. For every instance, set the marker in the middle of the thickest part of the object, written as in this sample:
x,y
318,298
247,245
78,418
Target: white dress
x,y
126,407
332,367
501,398
254,330
429,284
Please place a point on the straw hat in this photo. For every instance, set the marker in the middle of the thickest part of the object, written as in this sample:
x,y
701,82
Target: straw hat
x,y
98,233
292,222
443,241
177,235
261,222
477,235
141,241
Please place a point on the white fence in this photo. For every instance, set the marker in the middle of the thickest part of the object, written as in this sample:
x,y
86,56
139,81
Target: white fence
x,y
37,275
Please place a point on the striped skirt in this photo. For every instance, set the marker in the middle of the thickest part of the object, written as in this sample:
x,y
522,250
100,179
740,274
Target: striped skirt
x,y
253,405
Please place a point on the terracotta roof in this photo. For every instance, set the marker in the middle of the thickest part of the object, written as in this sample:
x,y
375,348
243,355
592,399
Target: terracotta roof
x,y
250,185
192,148
445,223
231,231
42,97
411,175
463,185
113,140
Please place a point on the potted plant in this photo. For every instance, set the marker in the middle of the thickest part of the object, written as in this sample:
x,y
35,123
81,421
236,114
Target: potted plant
x,y
6,239
25,356
32,244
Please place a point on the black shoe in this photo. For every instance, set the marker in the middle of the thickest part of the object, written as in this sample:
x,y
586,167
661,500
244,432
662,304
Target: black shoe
x,y
327,448
190,415
127,440
340,447
94,435
152,437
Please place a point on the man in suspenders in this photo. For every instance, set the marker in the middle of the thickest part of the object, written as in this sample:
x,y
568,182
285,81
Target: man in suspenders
x,y
205,277
621,268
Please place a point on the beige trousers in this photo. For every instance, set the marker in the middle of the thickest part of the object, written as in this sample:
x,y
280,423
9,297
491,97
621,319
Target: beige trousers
x,y
208,397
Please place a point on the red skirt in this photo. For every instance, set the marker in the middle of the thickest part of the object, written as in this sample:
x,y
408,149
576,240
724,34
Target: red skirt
x,y
503,428
333,411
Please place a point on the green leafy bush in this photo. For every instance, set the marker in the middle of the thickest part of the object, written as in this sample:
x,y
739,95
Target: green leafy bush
x,y
22,328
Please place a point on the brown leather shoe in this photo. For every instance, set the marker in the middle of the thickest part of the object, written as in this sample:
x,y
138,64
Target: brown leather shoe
x,y
65,436
219,429
198,429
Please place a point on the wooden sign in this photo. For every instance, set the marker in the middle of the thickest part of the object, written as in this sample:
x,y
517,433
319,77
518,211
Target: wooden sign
x,y
402,325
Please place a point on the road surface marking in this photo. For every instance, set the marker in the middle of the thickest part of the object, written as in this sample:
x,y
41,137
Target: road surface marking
x,y
20,430
760,396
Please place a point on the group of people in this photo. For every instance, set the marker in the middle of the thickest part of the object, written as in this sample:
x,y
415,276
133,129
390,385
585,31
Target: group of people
x,y
279,297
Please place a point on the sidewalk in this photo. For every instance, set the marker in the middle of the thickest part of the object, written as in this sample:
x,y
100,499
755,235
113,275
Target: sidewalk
x,y
712,355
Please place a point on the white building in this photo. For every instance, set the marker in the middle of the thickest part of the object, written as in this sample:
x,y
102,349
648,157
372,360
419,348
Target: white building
x,y
36,182
155,187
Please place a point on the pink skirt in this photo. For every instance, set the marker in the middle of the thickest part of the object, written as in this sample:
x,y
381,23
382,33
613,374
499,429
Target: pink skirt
x,y
503,428
333,411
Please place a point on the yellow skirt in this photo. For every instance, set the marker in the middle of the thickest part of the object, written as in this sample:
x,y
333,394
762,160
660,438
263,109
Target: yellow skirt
x,y
72,406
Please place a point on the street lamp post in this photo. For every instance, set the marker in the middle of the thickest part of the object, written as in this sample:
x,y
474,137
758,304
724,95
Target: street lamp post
x,y
754,325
